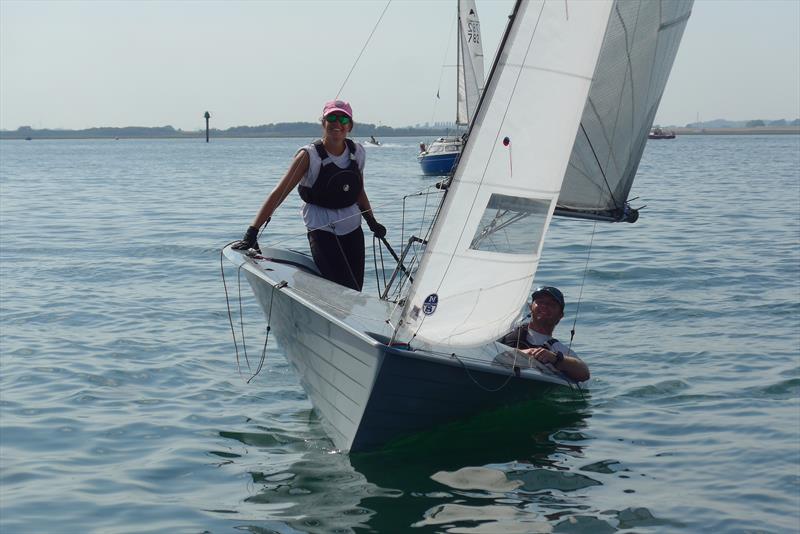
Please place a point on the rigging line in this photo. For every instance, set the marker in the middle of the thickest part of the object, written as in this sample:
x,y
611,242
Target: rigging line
x,y
375,264
585,175
228,305
263,349
362,49
607,137
422,219
241,313
487,231
599,165
494,146
426,234
481,386
346,260
403,222
241,319
583,283
275,288
513,366
426,191
380,250
326,225
441,71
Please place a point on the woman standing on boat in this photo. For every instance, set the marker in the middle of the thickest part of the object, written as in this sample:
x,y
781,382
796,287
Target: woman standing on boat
x,y
329,176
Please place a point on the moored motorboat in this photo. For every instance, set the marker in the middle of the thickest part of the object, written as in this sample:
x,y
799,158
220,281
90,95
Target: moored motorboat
x,y
660,133
441,156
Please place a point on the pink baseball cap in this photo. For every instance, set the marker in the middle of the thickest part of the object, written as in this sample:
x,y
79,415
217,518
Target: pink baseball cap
x,y
337,105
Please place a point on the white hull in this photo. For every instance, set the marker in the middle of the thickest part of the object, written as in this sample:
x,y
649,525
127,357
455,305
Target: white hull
x,y
366,392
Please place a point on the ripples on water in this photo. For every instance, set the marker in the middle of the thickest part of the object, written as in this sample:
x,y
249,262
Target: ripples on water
x,y
123,411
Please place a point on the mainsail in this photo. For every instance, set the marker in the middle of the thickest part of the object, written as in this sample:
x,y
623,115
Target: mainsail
x,y
635,60
484,248
470,62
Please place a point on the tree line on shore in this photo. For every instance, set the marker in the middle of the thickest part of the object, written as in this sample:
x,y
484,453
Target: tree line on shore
x,y
281,129
305,129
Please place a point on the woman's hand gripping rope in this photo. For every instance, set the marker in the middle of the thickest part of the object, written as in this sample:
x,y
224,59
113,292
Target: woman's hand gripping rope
x,y
377,228
250,239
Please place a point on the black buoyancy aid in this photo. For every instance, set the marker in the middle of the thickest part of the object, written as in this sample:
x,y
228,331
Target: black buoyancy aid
x,y
335,187
518,338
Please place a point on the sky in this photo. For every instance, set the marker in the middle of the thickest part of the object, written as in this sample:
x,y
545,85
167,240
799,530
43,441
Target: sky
x,y
81,64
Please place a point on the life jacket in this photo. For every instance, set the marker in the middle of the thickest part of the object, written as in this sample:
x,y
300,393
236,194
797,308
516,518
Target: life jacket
x,y
518,338
335,187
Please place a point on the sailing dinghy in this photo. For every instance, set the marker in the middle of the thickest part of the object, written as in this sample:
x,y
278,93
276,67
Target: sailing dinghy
x,y
551,135
441,156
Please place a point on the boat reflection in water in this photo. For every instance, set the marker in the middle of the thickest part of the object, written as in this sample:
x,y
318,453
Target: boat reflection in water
x,y
521,466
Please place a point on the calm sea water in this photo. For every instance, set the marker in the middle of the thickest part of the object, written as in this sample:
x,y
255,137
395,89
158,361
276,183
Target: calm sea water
x,y
122,409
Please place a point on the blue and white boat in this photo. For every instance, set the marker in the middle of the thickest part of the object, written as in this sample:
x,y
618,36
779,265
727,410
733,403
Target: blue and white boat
x,y
441,156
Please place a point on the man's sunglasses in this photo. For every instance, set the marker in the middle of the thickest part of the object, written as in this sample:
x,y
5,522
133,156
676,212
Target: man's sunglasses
x,y
344,119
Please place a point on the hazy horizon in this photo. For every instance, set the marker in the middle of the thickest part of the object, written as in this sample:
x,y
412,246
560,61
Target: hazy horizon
x,y
76,64
394,127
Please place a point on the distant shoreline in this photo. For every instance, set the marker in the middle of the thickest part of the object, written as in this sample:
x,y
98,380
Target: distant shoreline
x,y
767,130
308,131
196,137
13,136
295,129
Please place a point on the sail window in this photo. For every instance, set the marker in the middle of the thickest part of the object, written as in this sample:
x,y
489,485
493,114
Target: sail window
x,y
511,225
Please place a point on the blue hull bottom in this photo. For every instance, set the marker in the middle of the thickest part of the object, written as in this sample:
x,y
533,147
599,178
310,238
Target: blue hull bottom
x,y
412,395
438,164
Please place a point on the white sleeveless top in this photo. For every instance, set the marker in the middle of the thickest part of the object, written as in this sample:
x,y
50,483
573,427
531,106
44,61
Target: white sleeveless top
x,y
338,221
538,339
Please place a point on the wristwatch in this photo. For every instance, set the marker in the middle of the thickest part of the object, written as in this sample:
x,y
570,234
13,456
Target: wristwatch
x,y
559,358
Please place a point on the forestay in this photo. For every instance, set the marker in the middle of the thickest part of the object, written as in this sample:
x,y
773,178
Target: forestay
x,y
483,251
635,60
470,62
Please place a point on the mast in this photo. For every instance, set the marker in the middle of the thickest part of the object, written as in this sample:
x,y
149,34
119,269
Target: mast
x,y
459,61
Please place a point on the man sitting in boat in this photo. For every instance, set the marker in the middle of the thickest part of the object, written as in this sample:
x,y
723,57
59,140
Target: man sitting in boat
x,y
536,340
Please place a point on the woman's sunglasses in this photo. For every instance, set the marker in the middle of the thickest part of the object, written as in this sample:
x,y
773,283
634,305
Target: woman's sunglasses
x,y
343,119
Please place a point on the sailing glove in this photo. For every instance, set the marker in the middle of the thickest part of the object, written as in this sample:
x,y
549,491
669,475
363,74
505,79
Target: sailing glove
x,y
377,228
250,240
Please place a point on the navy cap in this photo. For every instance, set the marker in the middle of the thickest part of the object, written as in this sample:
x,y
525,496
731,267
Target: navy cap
x,y
549,290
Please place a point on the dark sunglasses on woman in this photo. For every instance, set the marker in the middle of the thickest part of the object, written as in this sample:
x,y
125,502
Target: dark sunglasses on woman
x,y
343,119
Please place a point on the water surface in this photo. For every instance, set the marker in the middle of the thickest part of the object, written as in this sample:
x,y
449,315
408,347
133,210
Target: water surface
x,y
122,409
